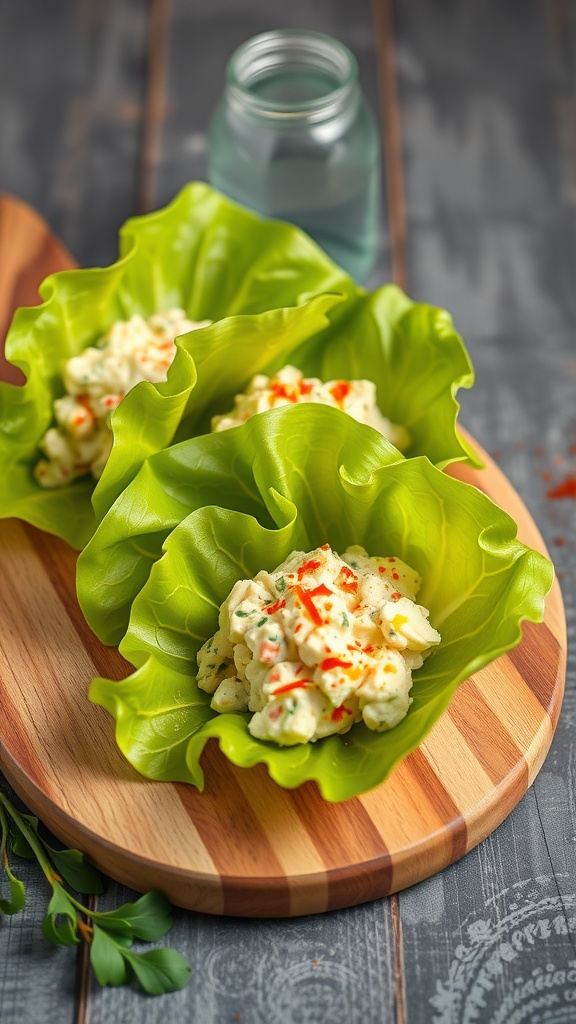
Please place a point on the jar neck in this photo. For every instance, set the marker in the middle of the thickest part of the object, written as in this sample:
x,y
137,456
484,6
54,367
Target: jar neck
x,y
293,79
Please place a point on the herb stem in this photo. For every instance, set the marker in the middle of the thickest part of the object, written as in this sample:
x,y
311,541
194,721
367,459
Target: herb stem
x,y
3,834
31,838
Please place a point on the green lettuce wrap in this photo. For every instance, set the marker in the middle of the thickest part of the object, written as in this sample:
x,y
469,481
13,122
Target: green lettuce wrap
x,y
218,262
221,507
202,253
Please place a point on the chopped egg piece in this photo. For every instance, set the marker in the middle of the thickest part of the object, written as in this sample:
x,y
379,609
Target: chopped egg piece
x,y
289,386
96,381
318,644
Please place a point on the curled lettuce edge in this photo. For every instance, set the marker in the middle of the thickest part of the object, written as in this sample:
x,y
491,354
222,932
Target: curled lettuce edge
x,y
219,261
481,584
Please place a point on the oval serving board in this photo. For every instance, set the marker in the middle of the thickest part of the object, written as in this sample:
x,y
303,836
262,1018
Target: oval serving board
x,y
245,846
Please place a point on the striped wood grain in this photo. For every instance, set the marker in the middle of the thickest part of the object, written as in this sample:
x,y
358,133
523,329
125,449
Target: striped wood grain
x,y
245,846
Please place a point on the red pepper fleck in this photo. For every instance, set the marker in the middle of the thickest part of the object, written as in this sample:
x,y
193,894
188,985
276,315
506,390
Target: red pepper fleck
x,y
340,390
305,386
84,400
368,649
391,559
330,663
350,582
287,391
310,566
275,713
298,684
349,588
382,568
396,595
565,489
395,576
338,713
272,608
347,571
306,600
559,541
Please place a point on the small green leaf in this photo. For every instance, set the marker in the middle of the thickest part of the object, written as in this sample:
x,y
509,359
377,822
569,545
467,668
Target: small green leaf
x,y
20,846
32,821
79,875
60,924
149,918
160,970
107,959
17,894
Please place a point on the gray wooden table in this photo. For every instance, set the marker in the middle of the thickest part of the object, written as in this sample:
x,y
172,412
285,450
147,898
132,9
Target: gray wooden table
x,y
103,113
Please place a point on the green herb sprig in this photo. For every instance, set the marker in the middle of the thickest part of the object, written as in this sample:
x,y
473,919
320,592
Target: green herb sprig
x,y
109,935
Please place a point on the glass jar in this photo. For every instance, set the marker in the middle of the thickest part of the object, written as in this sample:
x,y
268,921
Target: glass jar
x,y
293,138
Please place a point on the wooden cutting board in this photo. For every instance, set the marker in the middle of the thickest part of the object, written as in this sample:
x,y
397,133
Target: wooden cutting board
x,y
245,846
29,251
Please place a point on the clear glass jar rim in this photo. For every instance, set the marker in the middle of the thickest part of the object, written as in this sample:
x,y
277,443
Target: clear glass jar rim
x,y
314,50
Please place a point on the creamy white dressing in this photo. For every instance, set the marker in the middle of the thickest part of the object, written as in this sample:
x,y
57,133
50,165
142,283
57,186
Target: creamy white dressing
x,y
96,381
290,387
318,644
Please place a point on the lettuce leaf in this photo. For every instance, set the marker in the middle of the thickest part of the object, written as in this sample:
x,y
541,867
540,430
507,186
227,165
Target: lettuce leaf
x,y
202,253
223,263
241,501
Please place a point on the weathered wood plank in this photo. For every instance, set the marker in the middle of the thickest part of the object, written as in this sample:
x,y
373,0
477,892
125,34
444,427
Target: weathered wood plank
x,y
71,93
333,967
489,158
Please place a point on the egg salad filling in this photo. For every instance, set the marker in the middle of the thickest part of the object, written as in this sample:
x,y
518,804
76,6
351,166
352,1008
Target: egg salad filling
x,y
96,381
289,386
318,644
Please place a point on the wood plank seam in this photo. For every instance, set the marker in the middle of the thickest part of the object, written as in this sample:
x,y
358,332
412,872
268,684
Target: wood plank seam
x,y
384,23
159,20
